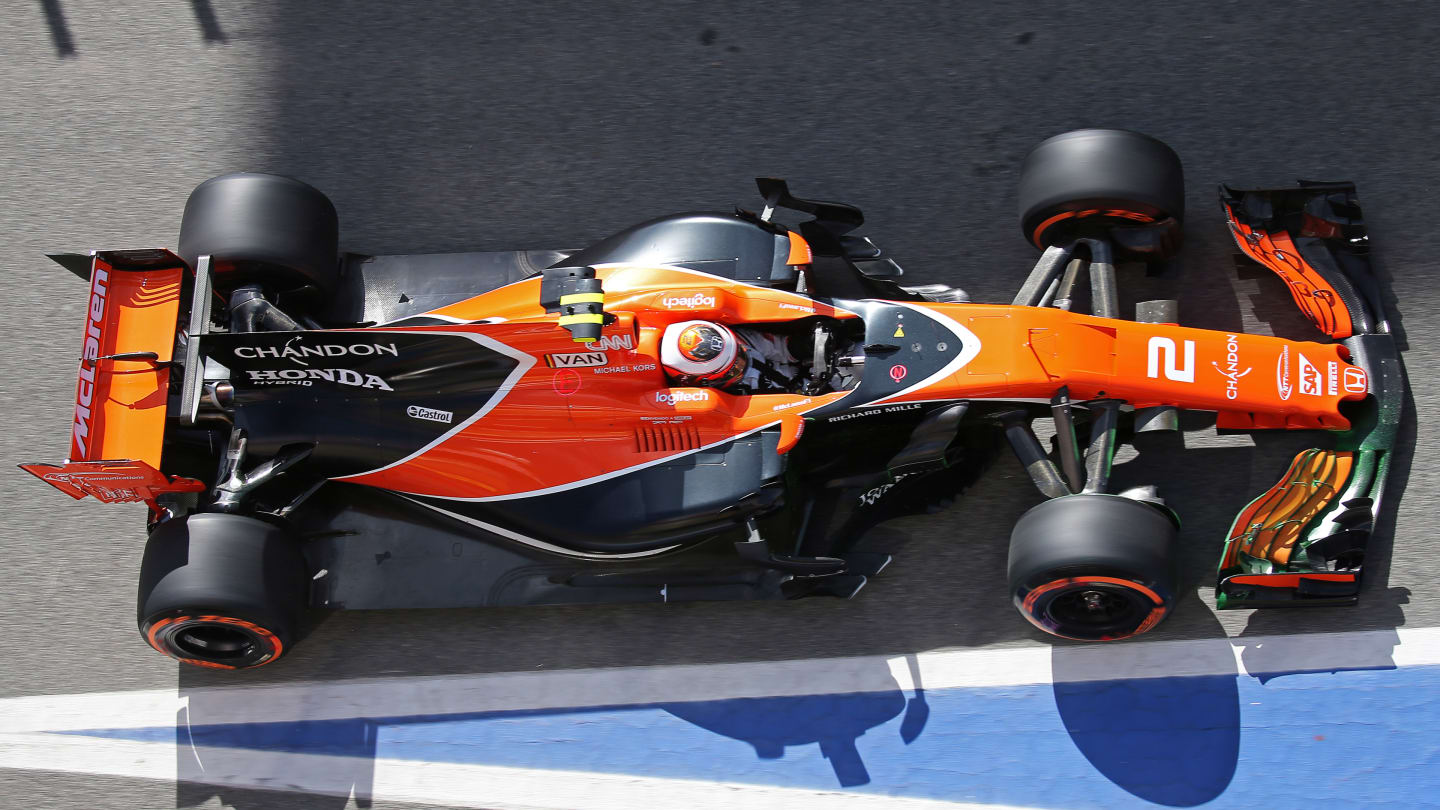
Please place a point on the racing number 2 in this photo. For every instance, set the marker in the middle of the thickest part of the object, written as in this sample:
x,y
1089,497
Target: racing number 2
x,y
1184,372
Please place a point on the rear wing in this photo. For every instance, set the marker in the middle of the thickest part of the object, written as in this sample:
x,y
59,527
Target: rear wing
x,y
123,382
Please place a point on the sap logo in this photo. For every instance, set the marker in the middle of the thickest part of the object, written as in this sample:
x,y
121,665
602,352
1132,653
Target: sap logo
x,y
1231,372
672,397
85,387
577,360
295,376
296,353
1183,371
613,343
429,414
696,301
1311,382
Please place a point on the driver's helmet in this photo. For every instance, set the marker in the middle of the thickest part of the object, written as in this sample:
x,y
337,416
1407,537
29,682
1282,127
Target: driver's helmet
x,y
702,353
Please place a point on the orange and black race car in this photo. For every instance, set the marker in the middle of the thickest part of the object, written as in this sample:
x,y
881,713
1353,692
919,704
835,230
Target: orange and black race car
x,y
703,406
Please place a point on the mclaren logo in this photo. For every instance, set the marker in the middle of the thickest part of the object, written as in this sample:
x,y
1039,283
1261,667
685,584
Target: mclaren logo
x,y
85,388
298,354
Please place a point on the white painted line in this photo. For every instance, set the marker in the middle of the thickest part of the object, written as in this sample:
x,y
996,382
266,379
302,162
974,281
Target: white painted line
x,y
529,691
479,786
531,541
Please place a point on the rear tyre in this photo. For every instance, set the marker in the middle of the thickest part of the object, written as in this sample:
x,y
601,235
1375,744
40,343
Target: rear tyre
x,y
1089,181
1094,567
267,229
221,591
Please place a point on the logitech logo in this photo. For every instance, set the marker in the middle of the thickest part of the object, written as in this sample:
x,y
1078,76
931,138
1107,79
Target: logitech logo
x,y
672,397
696,301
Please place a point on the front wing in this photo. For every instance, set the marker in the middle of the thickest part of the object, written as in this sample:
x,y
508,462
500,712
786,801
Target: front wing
x,y
1303,541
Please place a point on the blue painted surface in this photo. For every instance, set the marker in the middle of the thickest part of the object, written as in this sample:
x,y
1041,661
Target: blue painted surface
x,y
1296,740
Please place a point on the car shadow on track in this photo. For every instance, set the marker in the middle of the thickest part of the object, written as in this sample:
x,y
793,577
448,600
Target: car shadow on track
x,y
1173,741
224,760
834,722
64,42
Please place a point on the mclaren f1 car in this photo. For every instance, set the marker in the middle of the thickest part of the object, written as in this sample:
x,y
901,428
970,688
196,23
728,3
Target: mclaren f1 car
x,y
704,406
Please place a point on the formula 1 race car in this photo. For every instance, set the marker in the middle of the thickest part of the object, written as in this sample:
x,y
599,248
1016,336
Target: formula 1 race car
x,y
703,406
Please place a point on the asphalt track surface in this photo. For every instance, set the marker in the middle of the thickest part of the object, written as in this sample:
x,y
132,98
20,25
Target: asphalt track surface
x,y
438,127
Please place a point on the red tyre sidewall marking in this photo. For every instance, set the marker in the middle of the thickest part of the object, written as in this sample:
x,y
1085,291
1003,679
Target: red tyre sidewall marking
x,y
152,637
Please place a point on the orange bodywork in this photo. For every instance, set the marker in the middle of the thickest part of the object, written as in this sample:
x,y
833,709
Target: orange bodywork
x,y
1029,352
111,481
558,427
554,425
799,250
1315,296
118,430
120,403
554,428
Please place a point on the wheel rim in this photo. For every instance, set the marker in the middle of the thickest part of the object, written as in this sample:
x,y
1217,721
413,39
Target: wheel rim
x,y
1093,608
1097,609
215,641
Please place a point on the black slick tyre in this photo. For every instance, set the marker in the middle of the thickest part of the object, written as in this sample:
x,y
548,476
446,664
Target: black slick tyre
x,y
266,229
1082,183
221,591
1094,567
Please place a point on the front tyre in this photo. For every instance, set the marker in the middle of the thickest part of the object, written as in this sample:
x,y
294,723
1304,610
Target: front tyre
x,y
1094,567
1109,183
221,591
